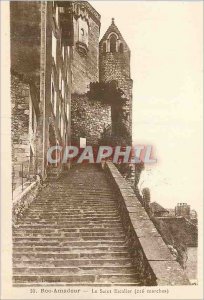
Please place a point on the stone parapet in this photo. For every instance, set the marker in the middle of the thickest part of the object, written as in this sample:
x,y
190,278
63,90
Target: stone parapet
x,y
24,199
151,255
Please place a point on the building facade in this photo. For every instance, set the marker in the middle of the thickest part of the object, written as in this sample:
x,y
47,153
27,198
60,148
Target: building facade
x,y
55,57
183,210
41,51
25,88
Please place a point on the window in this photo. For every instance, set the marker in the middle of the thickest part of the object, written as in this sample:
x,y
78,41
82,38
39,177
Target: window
x,y
63,53
31,155
59,117
65,139
54,98
55,103
82,40
104,47
53,94
31,165
121,48
54,46
63,90
68,111
62,126
33,118
82,32
57,15
113,42
60,79
61,10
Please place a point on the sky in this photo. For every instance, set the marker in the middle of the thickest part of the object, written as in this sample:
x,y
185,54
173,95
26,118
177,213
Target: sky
x,y
166,42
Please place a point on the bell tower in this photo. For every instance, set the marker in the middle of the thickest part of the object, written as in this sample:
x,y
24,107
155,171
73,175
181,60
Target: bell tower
x,y
114,65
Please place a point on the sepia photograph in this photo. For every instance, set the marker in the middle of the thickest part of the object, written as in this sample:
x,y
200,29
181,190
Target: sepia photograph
x,y
102,149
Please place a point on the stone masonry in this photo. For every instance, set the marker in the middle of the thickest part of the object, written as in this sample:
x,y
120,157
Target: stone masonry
x,y
114,65
83,241
80,231
89,119
20,99
85,64
81,225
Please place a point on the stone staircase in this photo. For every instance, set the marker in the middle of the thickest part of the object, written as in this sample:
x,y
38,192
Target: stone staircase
x,y
72,234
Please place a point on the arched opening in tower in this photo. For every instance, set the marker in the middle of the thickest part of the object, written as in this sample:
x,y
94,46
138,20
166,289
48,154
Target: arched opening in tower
x,y
113,41
104,47
121,48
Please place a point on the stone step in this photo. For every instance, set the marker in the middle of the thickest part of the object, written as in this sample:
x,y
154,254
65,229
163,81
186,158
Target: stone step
x,y
85,210
102,239
79,191
78,215
82,185
72,212
89,190
49,262
74,194
65,256
72,208
71,249
70,235
67,243
67,225
82,198
70,218
64,222
82,270
77,197
80,203
66,231
78,279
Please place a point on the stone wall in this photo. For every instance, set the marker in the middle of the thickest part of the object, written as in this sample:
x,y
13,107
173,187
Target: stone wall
x,y
85,66
26,63
115,66
89,119
22,202
20,98
152,256
192,264
25,39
